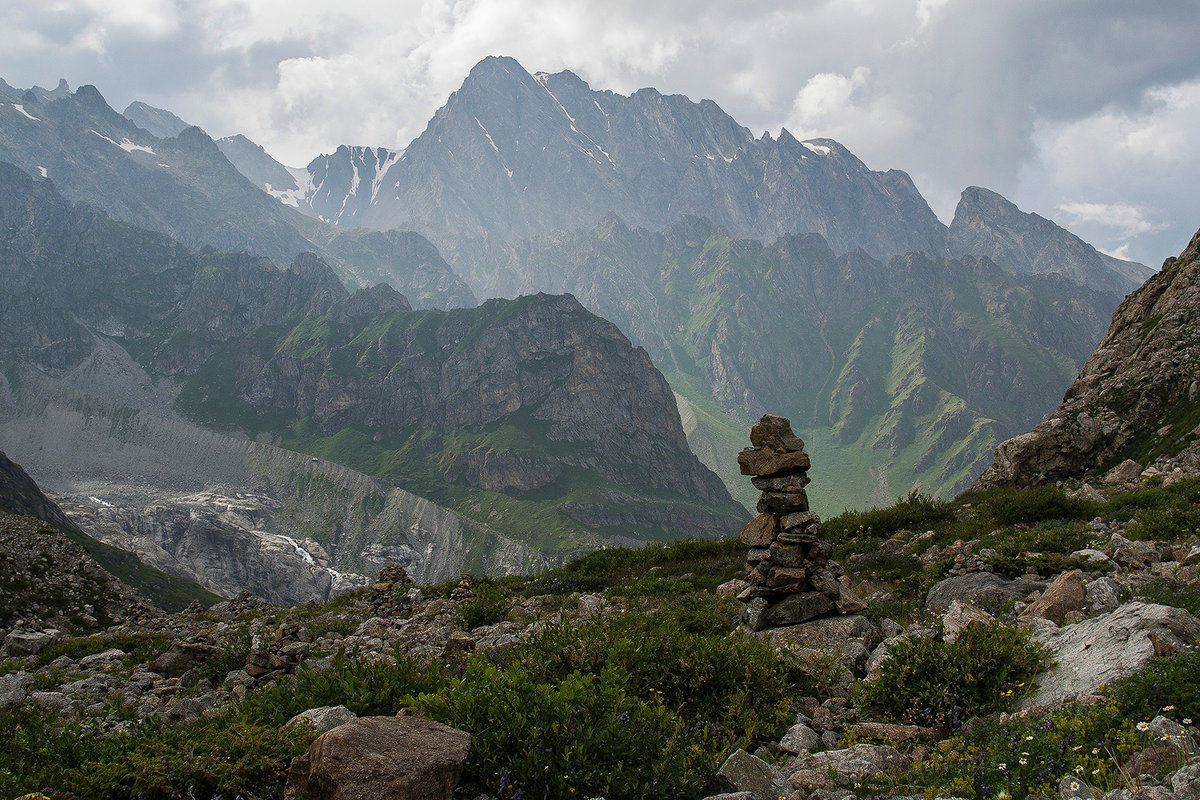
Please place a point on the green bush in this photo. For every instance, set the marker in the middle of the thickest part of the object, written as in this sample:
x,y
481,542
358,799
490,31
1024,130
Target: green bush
x,y
1027,757
1164,524
491,604
71,760
932,682
1172,682
1034,505
582,736
916,511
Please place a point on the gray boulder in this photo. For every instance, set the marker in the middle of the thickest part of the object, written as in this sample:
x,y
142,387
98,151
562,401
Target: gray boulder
x,y
322,719
743,772
1104,649
397,757
987,590
848,767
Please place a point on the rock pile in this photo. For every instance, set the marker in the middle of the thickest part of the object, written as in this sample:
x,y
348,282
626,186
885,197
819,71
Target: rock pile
x,y
394,593
283,654
791,576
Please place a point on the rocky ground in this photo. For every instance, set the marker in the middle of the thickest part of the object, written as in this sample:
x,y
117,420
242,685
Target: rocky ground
x,y
1103,611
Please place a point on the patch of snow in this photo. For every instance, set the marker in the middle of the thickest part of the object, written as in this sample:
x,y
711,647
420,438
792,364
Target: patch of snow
x,y
381,170
164,166
100,502
488,135
125,144
819,149
43,171
21,108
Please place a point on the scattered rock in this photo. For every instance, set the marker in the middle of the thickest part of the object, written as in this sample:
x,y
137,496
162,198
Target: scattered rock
x,y
1066,594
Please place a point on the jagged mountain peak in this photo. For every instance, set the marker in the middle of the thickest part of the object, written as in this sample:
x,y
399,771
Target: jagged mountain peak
x,y
986,223
157,121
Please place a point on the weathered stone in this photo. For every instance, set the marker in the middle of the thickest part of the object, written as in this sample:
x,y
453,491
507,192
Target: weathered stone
x,y
781,483
1186,782
848,602
730,589
322,719
1128,471
1104,649
961,616
775,432
800,739
796,608
760,531
1129,553
787,555
757,554
852,765
1102,596
182,656
1066,594
743,772
401,757
808,536
787,577
1072,787
798,521
28,643
766,463
984,589
825,582
827,633
782,503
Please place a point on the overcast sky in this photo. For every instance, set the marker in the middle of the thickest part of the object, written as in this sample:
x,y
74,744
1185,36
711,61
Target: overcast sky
x,y
1084,111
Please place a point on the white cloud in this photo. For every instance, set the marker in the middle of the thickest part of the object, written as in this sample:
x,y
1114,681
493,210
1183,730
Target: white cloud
x,y
1125,220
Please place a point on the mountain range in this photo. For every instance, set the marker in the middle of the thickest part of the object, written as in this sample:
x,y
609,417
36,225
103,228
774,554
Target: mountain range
x,y
758,274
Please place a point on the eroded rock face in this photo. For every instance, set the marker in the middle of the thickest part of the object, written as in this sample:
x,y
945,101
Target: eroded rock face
x,y
1139,386
1104,649
401,757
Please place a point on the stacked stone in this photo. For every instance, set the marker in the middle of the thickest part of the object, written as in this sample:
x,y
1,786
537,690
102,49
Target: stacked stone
x,y
791,576
283,655
394,594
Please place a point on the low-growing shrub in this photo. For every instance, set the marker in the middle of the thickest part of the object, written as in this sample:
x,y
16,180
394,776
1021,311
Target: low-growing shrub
x,y
1033,505
1164,523
141,647
914,512
1165,685
491,604
933,682
1028,757
581,736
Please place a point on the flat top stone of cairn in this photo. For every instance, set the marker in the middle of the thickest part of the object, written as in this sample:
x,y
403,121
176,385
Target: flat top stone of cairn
x,y
776,433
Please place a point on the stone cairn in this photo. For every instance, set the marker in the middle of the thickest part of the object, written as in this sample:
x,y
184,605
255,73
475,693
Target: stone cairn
x,y
791,576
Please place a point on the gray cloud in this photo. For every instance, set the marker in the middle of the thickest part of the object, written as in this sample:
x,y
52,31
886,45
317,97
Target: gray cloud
x,y
1065,107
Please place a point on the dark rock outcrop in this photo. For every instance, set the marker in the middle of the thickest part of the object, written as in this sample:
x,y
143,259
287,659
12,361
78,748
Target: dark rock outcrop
x,y
1137,396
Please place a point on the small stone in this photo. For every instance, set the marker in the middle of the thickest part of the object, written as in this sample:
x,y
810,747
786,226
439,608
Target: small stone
x,y
782,503
767,463
781,483
798,521
787,555
760,531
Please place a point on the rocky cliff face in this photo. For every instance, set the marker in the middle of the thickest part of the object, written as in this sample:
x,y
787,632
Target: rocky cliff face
x,y
921,362
1136,397
985,224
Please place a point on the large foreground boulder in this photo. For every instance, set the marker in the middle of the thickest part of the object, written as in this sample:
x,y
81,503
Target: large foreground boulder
x,y
399,758
1105,649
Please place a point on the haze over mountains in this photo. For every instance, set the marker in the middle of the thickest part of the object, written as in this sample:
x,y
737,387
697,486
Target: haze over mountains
x,y
759,274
